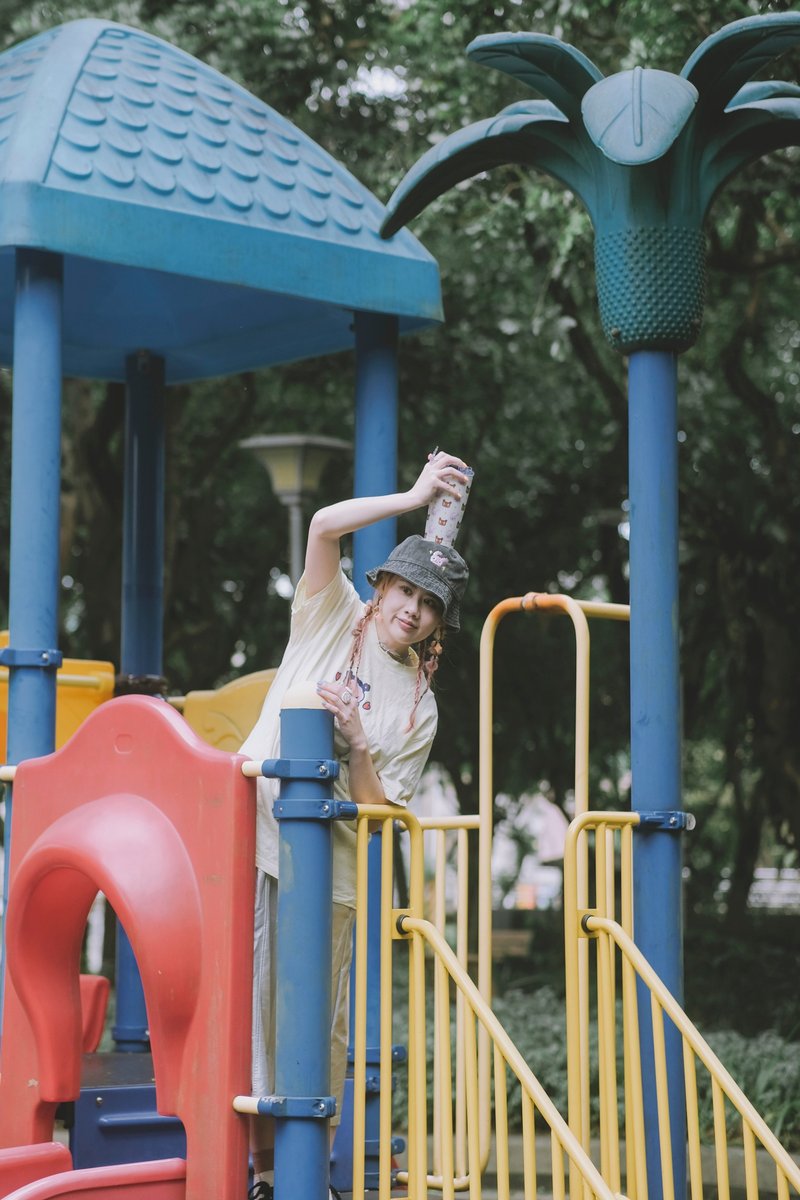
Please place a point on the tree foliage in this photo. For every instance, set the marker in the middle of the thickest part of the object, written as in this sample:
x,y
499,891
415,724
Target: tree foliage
x,y
520,382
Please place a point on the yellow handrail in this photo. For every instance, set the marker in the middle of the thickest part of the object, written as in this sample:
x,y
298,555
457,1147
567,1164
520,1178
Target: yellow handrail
x,y
417,829
506,1055
94,683
578,611
459,1116
462,1114
459,1158
612,934
724,1084
456,1162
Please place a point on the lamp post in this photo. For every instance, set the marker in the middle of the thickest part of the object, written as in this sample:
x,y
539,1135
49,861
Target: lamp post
x,y
295,462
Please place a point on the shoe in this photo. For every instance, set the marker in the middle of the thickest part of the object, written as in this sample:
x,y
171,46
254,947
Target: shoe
x,y
263,1191
260,1191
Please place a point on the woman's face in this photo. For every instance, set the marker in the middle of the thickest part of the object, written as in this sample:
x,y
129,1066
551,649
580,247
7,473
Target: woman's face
x,y
407,614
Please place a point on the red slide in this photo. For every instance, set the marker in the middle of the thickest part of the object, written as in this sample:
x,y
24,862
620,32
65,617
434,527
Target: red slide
x,y
162,1180
23,1164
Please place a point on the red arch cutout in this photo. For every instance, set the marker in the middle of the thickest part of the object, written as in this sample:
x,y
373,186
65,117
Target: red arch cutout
x,y
138,807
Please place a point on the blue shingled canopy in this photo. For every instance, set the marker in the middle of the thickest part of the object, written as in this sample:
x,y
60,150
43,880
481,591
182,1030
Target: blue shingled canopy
x,y
194,219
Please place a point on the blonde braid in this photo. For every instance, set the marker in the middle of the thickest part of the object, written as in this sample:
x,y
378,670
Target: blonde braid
x,y
359,633
429,654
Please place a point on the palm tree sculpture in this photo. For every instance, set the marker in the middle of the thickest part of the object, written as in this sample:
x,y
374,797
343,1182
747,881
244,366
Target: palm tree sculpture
x,y
646,151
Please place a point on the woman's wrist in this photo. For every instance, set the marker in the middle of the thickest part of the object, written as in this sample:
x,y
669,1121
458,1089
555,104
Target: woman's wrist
x,y
416,500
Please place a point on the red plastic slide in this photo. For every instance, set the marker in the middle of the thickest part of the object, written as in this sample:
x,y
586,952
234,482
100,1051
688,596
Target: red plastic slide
x,y
23,1164
162,1180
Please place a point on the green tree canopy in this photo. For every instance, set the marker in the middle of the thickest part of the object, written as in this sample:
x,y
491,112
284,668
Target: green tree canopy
x,y
521,383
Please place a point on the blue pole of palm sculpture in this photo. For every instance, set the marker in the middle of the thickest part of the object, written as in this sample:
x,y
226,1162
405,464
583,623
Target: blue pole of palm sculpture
x,y
646,151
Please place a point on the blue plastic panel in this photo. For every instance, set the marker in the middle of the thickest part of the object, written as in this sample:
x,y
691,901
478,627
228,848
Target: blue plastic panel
x,y
115,1119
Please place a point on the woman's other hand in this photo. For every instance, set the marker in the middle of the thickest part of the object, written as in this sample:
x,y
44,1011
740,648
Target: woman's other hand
x,y
342,701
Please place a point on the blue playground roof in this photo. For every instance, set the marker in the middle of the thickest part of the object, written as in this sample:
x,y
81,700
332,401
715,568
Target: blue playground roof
x,y
195,220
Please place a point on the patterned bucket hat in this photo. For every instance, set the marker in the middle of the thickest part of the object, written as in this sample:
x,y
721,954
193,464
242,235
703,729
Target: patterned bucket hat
x,y
438,569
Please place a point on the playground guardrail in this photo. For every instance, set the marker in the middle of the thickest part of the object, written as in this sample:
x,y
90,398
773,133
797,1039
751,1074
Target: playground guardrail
x,y
451,834
626,984
445,1151
579,612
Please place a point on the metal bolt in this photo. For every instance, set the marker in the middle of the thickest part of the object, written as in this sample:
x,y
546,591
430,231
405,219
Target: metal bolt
x,y
323,770
325,808
320,1106
98,1101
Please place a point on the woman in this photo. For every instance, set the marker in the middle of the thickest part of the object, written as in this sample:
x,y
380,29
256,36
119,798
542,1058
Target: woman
x,y
373,665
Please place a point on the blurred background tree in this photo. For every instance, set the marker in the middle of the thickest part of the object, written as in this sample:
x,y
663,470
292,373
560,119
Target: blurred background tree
x,y
521,383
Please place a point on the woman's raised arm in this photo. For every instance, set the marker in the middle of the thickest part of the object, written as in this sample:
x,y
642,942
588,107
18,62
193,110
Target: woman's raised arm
x,y
441,473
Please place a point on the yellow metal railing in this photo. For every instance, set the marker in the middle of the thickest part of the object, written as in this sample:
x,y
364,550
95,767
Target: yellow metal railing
x,y
618,1094
578,611
452,835
450,1136
450,838
445,1152
446,841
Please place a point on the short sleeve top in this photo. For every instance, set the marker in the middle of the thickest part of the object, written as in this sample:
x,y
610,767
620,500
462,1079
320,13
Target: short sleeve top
x,y
320,647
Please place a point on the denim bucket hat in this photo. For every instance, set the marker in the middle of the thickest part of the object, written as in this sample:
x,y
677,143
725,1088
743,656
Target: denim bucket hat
x,y
439,569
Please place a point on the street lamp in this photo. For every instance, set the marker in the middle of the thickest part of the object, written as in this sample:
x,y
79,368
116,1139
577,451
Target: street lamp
x,y
295,462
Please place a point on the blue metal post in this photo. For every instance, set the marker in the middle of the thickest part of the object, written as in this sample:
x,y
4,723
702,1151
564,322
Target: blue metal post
x,y
375,475
375,435
656,714
143,518
142,611
304,952
35,516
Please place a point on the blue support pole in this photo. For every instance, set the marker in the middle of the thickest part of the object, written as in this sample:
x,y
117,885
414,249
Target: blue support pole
x,y
303,1023
375,436
32,657
142,612
375,475
656,717
143,519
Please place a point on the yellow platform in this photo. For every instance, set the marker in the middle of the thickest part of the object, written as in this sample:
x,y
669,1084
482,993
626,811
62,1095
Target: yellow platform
x,y
221,717
224,717
82,684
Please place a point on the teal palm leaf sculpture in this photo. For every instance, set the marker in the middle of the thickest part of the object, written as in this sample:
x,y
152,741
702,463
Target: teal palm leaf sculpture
x,y
645,150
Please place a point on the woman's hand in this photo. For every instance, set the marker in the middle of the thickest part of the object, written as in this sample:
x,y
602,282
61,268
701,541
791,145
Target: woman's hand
x,y
342,701
441,473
